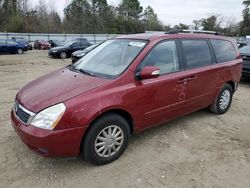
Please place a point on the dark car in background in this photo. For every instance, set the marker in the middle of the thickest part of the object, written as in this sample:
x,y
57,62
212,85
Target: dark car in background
x,y
23,41
9,46
80,39
67,49
245,54
80,53
54,43
241,44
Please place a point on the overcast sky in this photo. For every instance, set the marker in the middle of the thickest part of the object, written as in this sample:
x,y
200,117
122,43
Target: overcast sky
x,y
181,11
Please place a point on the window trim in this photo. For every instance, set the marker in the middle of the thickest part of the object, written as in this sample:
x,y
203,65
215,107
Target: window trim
x,y
178,50
216,60
184,55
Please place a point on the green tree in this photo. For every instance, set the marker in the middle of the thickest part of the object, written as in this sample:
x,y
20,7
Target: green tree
x,y
245,25
209,23
181,26
197,24
151,21
131,8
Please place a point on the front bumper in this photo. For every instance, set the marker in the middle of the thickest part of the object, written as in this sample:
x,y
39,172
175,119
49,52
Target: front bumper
x,y
26,48
246,72
56,143
52,54
246,68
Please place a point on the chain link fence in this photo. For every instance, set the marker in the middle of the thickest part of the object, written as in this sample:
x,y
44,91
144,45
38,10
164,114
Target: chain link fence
x,y
31,37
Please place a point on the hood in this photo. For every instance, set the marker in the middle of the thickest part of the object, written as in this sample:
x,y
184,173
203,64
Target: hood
x,y
56,87
58,48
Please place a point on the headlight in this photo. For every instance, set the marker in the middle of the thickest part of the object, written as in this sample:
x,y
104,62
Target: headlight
x,y
54,51
79,55
49,117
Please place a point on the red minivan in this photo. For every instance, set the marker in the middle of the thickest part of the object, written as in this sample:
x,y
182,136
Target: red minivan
x,y
123,86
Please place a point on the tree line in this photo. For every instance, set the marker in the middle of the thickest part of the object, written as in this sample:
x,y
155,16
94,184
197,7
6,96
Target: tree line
x,y
97,16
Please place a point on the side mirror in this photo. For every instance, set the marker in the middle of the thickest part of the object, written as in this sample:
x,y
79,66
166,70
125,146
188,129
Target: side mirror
x,y
148,72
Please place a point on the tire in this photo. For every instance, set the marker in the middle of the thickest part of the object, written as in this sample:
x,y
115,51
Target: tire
x,y
95,142
223,100
19,51
63,55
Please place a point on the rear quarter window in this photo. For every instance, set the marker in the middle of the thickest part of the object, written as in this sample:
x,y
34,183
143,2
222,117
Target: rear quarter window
x,y
224,50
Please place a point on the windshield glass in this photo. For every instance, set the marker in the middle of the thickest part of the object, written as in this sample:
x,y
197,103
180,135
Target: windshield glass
x,y
68,44
90,47
111,58
11,42
245,50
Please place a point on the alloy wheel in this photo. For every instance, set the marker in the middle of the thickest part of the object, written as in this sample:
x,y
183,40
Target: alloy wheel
x,y
109,141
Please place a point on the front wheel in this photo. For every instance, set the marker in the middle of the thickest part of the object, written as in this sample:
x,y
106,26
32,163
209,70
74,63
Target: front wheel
x,y
223,100
63,55
106,139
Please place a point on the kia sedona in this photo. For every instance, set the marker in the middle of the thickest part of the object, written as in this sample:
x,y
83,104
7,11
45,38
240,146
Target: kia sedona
x,y
122,87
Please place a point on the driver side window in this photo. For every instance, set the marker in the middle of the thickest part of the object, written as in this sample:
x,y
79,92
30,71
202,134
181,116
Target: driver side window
x,y
163,56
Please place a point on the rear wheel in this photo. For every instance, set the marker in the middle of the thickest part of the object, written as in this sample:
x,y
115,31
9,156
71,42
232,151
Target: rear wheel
x,y
106,139
20,51
223,100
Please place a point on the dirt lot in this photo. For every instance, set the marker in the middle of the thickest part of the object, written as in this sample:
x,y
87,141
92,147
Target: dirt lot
x,y
198,150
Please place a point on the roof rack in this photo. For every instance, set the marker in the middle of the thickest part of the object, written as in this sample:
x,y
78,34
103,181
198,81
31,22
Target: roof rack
x,y
177,31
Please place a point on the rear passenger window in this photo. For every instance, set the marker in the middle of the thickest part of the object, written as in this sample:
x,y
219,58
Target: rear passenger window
x,y
224,50
197,53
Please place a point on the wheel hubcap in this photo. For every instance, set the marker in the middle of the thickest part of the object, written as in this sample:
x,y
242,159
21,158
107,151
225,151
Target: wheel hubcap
x,y
109,141
225,99
63,55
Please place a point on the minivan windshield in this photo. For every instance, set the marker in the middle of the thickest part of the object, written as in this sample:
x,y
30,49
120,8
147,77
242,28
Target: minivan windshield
x,y
111,58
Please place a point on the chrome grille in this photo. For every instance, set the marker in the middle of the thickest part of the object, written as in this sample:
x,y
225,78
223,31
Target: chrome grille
x,y
23,114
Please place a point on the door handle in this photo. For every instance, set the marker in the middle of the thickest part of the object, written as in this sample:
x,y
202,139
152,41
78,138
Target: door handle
x,y
183,80
192,78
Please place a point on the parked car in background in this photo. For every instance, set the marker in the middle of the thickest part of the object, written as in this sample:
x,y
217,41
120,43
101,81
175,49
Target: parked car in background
x,y
241,44
9,46
80,39
245,54
62,42
54,43
75,56
22,40
41,45
67,49
124,86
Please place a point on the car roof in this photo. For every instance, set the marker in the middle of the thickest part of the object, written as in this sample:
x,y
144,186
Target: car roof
x,y
157,36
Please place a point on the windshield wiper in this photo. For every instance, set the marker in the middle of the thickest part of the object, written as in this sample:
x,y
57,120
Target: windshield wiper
x,y
73,68
85,72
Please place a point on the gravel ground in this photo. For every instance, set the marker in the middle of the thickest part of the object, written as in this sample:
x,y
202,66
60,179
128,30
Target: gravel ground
x,y
198,150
